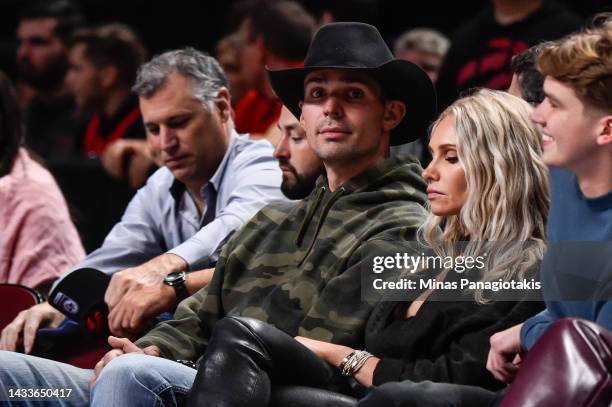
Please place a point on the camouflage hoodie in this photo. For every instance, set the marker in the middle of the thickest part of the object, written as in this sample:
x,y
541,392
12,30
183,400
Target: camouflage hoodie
x,y
297,266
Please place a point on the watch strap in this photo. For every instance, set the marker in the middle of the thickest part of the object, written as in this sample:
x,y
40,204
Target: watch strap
x,y
181,291
179,285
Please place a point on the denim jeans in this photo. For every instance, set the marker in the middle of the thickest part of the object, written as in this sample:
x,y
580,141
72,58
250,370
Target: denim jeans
x,y
128,380
142,380
22,374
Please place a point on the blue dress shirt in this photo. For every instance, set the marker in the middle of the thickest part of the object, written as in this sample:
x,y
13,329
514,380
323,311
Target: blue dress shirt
x,y
163,217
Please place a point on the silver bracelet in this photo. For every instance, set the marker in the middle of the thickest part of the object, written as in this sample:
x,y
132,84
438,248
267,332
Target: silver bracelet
x,y
351,364
361,362
345,360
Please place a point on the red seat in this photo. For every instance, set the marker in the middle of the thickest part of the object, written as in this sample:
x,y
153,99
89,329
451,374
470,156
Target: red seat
x,y
15,298
64,345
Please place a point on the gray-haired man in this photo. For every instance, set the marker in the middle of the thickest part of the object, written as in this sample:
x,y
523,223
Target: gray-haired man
x,y
213,180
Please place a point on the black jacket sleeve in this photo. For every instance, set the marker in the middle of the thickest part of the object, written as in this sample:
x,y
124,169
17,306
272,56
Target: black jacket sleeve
x,y
458,355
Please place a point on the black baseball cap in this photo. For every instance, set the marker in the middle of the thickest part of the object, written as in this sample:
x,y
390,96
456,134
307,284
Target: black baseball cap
x,y
80,296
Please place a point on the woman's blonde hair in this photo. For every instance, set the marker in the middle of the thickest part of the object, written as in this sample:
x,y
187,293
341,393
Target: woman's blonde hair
x,y
500,151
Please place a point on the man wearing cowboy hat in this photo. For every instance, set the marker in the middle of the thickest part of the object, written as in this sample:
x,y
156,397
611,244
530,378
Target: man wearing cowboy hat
x,y
298,265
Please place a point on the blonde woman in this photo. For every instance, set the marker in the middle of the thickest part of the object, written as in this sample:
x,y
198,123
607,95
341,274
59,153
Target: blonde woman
x,y
487,182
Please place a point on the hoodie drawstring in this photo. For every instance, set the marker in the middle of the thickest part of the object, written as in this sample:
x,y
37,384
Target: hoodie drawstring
x,y
309,214
335,196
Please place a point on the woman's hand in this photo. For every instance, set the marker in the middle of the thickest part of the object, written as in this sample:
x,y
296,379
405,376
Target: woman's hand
x,y
333,354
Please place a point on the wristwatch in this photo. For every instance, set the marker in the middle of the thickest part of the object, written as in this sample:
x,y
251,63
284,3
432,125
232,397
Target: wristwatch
x,y
177,280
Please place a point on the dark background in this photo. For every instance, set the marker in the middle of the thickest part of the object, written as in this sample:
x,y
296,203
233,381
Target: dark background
x,y
166,24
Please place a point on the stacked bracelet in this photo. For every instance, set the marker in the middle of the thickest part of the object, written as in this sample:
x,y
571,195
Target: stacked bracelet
x,y
351,364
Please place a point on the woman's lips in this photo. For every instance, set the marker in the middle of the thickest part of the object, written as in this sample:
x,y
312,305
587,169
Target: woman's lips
x,y
433,194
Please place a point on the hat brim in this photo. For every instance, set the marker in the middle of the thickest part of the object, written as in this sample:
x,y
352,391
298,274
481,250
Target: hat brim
x,y
79,293
401,80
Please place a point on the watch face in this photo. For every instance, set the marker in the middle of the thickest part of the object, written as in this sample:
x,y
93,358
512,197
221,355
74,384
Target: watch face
x,y
175,277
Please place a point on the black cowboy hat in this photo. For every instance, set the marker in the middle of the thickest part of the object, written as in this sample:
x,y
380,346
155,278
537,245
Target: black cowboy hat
x,y
359,46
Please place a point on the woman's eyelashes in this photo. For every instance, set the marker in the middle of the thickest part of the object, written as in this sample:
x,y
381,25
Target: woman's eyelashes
x,y
451,157
452,160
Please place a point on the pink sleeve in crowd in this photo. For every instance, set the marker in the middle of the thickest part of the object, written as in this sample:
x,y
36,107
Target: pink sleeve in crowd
x,y
38,241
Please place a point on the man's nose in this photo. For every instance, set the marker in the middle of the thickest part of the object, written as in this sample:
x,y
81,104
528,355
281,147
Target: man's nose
x,y
282,149
69,79
538,113
168,139
332,107
23,50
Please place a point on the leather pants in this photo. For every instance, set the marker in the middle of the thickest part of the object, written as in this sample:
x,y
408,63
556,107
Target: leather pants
x,y
249,363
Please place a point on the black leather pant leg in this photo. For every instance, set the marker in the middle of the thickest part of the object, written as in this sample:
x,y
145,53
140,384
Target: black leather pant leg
x,y
244,357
